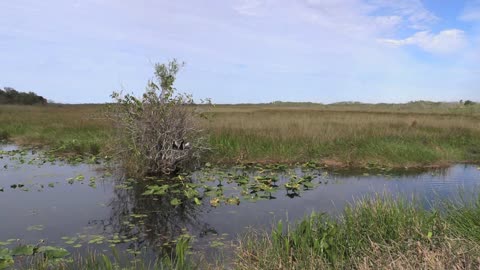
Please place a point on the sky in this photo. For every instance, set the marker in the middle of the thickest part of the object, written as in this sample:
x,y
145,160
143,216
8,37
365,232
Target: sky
x,y
245,51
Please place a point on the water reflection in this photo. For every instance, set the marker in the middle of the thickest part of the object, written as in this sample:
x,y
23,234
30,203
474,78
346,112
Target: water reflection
x,y
153,219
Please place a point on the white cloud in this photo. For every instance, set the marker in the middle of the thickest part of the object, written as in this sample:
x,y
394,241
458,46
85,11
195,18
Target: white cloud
x,y
471,11
415,14
447,41
249,7
347,14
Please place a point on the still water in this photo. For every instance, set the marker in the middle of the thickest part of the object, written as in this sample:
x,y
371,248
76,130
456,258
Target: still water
x,y
82,207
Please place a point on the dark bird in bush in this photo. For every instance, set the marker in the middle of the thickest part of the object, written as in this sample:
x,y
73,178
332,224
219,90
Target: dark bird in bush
x,y
176,145
187,145
182,145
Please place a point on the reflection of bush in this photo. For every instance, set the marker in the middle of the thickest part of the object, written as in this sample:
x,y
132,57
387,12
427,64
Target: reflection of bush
x,y
152,219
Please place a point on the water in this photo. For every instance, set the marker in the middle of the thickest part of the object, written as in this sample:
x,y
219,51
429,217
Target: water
x,y
81,207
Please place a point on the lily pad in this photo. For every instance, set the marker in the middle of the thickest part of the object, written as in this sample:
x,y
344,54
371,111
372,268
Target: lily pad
x,y
197,201
35,228
53,252
175,202
215,202
6,262
6,259
26,250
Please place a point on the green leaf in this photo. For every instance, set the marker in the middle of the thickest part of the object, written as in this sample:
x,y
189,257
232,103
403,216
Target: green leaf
x,y
148,192
53,252
197,201
6,262
26,250
6,259
175,202
4,252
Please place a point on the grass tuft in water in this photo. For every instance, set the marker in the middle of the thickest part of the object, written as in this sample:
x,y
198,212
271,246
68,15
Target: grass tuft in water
x,y
179,259
379,233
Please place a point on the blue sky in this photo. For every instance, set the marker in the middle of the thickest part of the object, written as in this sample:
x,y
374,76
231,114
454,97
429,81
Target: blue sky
x,y
80,51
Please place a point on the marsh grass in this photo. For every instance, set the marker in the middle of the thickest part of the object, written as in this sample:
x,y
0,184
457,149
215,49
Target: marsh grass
x,y
73,129
352,138
414,134
375,233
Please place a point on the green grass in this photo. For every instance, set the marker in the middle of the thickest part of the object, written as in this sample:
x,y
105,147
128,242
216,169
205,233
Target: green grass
x,y
413,134
373,233
73,129
181,258
378,233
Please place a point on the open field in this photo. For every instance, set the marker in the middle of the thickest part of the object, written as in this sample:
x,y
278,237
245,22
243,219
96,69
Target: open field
x,y
70,128
414,134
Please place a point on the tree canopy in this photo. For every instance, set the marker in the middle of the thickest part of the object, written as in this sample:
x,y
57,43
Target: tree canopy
x,y
9,95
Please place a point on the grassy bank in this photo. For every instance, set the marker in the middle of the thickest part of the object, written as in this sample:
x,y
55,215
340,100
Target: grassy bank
x,y
373,234
416,134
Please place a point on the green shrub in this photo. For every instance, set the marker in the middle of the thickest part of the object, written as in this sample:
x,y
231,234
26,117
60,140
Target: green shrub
x,y
157,134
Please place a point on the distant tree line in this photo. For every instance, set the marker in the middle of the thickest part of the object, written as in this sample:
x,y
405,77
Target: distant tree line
x,y
467,102
9,95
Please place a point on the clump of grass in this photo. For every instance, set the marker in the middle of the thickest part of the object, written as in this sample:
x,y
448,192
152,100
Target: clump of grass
x,y
179,259
379,233
4,135
463,216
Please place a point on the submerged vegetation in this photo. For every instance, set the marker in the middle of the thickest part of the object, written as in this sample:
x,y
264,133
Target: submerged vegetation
x,y
31,257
